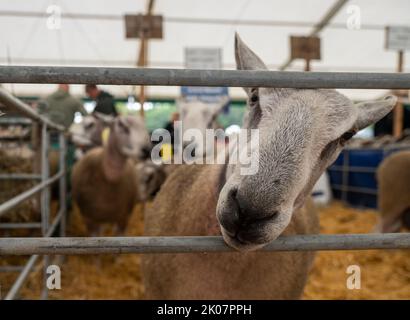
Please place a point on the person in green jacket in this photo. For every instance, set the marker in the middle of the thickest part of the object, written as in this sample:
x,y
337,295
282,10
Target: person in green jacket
x,y
60,107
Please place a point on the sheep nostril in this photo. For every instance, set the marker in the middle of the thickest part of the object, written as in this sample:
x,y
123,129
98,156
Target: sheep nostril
x,y
271,216
229,219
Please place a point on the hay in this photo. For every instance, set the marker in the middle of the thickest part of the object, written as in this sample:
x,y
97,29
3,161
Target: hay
x,y
95,277
10,188
385,274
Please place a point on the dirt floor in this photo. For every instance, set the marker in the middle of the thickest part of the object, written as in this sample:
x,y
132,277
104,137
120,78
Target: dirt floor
x,y
384,274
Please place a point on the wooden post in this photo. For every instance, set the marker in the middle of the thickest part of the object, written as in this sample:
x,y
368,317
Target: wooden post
x,y
142,57
307,48
398,111
307,65
142,62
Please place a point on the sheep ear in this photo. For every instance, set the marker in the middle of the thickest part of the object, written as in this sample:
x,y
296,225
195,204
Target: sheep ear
x,y
370,112
246,59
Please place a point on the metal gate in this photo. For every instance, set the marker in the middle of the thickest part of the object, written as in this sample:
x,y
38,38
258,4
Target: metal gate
x,y
168,77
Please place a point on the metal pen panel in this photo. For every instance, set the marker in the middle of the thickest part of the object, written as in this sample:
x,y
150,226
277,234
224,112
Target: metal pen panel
x,y
147,245
209,78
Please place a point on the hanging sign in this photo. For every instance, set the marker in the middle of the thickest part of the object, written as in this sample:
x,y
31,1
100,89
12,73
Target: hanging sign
x,y
204,58
398,38
307,48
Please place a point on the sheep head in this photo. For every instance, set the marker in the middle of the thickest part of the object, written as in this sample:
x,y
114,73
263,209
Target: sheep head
x,y
301,132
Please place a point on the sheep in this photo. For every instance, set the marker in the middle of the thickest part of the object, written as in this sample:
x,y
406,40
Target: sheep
x,y
393,176
150,178
104,183
198,115
89,133
301,132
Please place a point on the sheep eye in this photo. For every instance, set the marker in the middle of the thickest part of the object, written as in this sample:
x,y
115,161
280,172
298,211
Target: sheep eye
x,y
254,96
347,136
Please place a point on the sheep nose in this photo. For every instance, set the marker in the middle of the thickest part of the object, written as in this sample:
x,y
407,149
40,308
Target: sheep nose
x,y
241,220
230,219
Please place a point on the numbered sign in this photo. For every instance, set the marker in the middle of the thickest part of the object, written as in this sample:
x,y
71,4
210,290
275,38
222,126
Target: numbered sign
x,y
398,38
307,48
204,58
148,25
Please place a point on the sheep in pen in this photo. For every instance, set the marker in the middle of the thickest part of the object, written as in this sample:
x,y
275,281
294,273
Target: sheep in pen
x,y
301,133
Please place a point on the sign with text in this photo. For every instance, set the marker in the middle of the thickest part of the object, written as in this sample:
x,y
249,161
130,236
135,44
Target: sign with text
x,y
204,58
398,38
307,48
147,25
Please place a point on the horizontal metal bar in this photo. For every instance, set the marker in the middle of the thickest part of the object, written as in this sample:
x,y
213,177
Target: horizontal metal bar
x,y
11,268
21,225
14,121
176,64
15,138
353,169
13,202
354,189
19,176
212,78
12,102
121,245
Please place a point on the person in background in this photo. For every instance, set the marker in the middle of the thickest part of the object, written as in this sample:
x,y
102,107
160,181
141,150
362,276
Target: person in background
x,y
104,101
60,106
170,126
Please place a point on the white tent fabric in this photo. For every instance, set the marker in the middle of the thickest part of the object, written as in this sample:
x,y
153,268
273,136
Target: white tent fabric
x,y
99,39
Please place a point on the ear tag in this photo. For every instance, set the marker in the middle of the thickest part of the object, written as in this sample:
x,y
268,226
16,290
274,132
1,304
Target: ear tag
x,y
166,151
105,135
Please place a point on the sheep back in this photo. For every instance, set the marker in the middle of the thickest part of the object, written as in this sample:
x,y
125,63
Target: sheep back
x,y
98,199
393,177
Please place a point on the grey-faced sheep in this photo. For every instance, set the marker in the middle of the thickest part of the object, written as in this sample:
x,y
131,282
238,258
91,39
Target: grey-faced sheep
x,y
150,178
104,182
88,134
301,132
393,176
198,115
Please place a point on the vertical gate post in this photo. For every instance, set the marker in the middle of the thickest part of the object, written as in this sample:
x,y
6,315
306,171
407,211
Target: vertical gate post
x,y
45,201
36,146
62,184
